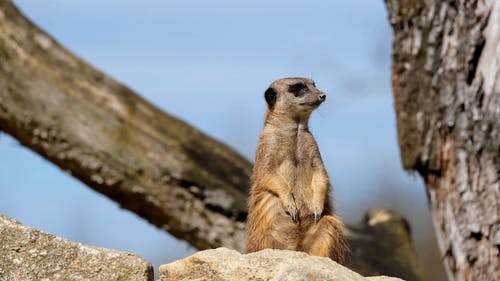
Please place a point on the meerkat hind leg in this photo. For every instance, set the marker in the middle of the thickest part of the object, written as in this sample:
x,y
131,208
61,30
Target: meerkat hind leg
x,y
260,243
270,240
276,229
326,238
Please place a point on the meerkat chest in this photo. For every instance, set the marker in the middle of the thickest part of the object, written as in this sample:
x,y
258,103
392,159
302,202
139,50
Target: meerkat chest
x,y
301,150
295,152
305,151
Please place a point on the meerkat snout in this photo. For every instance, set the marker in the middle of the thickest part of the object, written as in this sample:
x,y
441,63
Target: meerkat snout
x,y
322,97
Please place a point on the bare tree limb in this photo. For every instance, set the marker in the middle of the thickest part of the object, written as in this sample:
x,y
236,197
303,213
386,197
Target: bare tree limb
x,y
116,142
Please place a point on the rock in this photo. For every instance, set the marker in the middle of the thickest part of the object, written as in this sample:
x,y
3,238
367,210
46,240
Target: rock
x,y
30,254
225,264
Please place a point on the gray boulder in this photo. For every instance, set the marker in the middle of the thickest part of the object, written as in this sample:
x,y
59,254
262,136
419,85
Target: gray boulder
x,y
30,254
224,264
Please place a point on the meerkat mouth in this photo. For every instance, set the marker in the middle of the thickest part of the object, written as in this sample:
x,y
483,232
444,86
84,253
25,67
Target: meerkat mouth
x,y
312,103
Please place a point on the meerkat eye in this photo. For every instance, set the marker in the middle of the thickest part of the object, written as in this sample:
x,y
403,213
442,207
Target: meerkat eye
x,y
298,89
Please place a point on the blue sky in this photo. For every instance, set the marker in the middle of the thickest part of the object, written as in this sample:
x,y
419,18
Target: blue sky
x,y
208,63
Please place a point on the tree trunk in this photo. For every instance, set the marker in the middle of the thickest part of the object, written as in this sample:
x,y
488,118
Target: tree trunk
x,y
149,162
446,82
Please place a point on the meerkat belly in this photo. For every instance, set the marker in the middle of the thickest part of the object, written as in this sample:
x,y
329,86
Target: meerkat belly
x,y
303,173
302,191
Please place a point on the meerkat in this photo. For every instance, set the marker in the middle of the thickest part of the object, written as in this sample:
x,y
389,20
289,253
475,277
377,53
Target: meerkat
x,y
289,206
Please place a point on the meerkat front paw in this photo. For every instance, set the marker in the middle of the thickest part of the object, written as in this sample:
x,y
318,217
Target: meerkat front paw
x,y
294,214
317,212
318,204
292,210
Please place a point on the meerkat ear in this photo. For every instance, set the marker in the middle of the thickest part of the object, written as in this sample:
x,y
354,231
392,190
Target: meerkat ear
x,y
271,97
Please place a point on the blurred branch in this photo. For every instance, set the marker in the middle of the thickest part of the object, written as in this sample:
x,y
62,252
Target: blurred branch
x,y
149,162
116,142
382,244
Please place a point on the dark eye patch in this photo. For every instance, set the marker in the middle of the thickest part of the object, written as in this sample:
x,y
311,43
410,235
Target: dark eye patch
x,y
298,89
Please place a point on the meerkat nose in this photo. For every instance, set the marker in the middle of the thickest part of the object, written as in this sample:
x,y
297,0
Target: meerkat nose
x,y
322,97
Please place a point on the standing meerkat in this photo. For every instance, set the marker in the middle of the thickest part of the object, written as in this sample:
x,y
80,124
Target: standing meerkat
x,y
289,206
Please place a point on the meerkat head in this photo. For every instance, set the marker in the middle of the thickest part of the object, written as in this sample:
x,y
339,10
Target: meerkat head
x,y
295,97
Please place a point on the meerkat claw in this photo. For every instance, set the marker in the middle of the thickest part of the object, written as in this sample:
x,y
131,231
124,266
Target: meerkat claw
x,y
294,214
317,216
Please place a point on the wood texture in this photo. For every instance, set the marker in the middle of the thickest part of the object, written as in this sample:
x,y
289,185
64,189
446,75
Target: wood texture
x,y
149,162
446,82
116,142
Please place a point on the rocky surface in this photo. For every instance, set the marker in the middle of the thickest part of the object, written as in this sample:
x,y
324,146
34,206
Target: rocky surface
x,y
30,254
225,264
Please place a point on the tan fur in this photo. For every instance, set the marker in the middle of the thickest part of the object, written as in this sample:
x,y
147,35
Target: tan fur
x,y
289,206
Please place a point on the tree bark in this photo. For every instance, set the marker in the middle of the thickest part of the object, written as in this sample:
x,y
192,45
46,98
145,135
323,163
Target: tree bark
x,y
446,82
149,162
